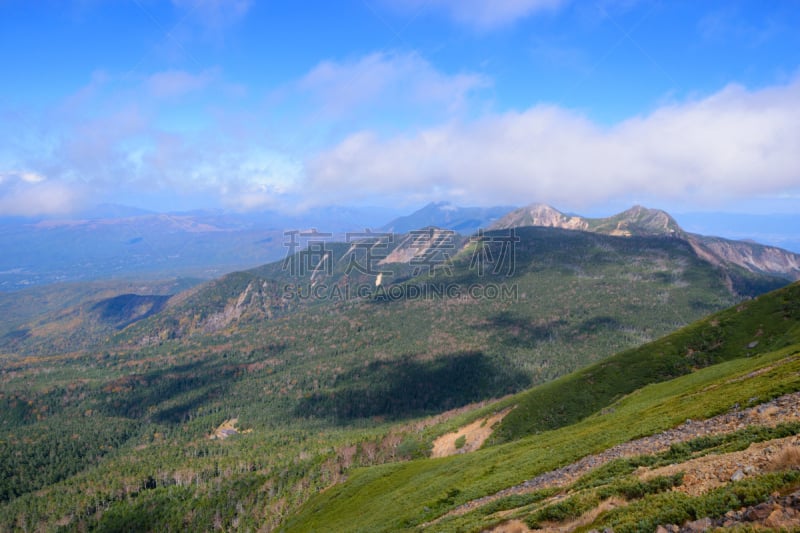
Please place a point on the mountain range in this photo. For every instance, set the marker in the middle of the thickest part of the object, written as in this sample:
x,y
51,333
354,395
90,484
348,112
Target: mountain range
x,y
745,269
317,391
118,242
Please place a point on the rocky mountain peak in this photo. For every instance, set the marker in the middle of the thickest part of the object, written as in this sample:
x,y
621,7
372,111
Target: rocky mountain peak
x,y
540,215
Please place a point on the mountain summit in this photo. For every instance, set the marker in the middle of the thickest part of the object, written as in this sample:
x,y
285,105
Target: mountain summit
x,y
540,215
643,221
637,220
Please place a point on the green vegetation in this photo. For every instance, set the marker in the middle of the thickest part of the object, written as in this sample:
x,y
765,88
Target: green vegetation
x,y
568,509
365,498
720,337
72,316
684,451
612,480
402,496
677,507
102,427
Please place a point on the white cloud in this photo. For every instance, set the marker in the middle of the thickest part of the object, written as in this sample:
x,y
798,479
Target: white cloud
x,y
172,83
142,134
31,177
258,179
29,194
97,149
387,79
732,144
482,15
117,136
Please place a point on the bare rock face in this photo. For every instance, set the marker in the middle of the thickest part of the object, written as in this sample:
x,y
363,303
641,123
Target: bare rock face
x,y
421,243
750,256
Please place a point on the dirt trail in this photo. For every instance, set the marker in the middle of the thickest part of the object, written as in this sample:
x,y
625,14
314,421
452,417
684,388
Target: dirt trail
x,y
783,409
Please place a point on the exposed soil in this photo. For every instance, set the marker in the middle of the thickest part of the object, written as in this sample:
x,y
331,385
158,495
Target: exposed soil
x,y
475,435
712,471
227,429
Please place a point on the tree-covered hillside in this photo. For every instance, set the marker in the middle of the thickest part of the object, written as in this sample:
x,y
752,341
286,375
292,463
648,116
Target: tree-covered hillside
x,y
317,386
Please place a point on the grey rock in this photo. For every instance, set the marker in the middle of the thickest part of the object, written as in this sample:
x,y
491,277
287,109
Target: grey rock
x,y
759,512
698,525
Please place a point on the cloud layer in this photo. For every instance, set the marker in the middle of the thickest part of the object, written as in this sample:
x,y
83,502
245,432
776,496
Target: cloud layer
x,y
387,80
384,126
182,132
29,194
732,144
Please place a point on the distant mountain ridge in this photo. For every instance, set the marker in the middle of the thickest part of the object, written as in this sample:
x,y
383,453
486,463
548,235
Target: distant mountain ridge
x,y
124,242
444,215
642,221
772,229
111,241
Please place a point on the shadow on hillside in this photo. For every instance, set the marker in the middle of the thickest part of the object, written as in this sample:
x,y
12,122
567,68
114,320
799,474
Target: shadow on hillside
x,y
521,331
524,332
168,394
411,387
123,310
598,323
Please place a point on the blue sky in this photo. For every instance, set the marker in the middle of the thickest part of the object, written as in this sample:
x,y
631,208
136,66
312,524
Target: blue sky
x,y
246,104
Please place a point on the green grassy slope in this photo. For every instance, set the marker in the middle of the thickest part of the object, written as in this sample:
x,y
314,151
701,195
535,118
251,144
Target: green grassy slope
x,y
751,328
403,496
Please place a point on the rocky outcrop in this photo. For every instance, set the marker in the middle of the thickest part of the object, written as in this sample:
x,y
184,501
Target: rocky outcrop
x,y
439,243
781,513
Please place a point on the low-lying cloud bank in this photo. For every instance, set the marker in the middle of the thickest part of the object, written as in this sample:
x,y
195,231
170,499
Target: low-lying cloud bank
x,y
730,145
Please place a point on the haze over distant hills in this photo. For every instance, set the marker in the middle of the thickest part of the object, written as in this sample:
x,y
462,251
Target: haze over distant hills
x,y
120,242
464,220
114,241
782,230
